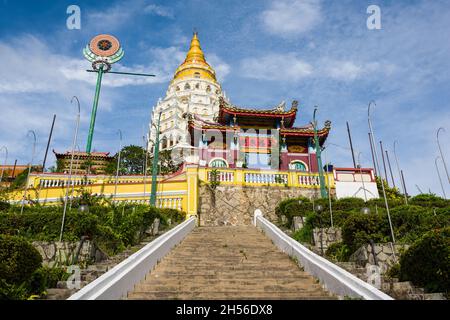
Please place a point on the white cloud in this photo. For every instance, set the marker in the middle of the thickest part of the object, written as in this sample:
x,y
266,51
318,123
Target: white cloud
x,y
222,68
118,15
276,67
289,18
159,11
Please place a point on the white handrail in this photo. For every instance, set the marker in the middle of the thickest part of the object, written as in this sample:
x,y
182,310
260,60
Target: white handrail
x,y
118,281
333,278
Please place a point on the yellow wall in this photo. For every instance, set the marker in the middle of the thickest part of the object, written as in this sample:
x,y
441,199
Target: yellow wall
x,y
180,191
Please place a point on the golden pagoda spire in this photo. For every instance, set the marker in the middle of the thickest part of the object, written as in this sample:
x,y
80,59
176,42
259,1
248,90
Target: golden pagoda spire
x,y
195,65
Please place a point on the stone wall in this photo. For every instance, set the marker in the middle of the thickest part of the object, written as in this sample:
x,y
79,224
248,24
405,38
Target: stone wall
x,y
234,205
63,253
328,235
383,252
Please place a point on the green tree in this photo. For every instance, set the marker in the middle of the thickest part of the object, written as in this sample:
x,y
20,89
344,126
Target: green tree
x,y
391,193
131,161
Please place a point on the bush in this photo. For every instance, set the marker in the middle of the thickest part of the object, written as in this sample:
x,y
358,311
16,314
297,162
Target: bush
x,y
360,228
427,262
349,204
18,259
4,206
45,277
429,201
338,251
291,207
45,224
12,291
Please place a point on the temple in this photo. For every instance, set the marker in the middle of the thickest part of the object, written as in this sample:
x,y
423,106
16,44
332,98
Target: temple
x,y
231,160
200,125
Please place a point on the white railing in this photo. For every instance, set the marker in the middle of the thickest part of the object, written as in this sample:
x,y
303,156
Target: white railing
x,y
333,278
117,282
171,203
266,178
308,180
48,183
222,176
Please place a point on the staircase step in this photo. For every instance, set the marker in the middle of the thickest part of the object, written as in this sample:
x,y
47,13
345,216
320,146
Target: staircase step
x,y
228,263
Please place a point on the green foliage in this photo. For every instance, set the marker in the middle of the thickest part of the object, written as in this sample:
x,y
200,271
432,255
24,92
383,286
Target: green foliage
x,y
13,291
304,235
427,262
359,229
338,251
391,193
4,206
429,200
348,204
45,277
21,178
18,259
166,162
45,224
214,181
131,161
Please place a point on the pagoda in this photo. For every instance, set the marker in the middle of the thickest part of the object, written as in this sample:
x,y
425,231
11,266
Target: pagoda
x,y
200,125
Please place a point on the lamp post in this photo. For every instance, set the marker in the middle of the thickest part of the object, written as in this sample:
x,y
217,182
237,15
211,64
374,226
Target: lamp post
x,y
118,163
75,137
362,180
400,175
323,192
6,159
29,168
381,179
319,209
329,188
155,164
439,175
145,163
440,151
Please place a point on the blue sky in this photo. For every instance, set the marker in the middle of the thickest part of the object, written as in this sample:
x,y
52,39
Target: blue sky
x,y
316,51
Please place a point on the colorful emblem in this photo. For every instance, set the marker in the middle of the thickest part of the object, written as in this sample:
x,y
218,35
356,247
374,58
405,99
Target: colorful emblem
x,y
103,50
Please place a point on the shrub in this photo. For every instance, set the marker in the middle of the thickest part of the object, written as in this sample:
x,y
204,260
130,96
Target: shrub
x,y
349,204
427,262
18,259
338,251
359,229
379,202
45,277
45,224
4,206
429,200
12,291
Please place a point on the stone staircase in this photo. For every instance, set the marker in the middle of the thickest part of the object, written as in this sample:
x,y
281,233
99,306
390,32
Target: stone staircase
x,y
228,262
399,290
92,272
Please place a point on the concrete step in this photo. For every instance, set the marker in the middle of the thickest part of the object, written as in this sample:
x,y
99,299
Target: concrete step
x,y
228,263
231,295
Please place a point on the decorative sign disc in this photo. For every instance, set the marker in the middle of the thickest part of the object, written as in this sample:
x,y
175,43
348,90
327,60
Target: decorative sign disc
x,y
103,50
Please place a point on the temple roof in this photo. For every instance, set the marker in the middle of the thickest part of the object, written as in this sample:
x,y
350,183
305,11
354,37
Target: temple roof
x,y
261,117
197,123
83,154
195,65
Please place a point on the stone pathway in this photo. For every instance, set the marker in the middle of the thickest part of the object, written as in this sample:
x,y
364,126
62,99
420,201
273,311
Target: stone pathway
x,y
228,262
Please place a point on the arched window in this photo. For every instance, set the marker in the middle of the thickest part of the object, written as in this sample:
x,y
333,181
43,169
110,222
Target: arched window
x,y
208,89
177,88
297,165
187,86
164,143
197,85
218,163
197,74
